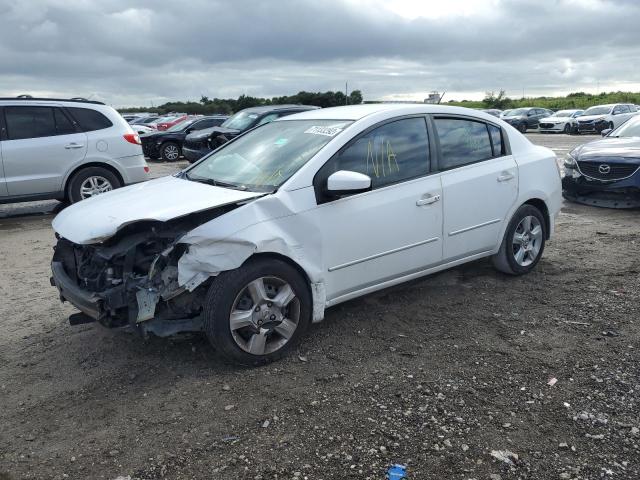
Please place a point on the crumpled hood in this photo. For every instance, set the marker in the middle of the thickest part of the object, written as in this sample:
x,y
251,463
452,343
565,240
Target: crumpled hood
x,y
96,219
588,118
623,148
206,132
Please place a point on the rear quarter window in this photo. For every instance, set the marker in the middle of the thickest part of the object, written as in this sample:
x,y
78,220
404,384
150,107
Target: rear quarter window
x,y
89,120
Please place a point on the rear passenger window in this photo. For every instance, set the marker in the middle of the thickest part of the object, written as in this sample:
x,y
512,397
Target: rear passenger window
x,y
391,153
89,120
29,122
462,142
496,140
63,124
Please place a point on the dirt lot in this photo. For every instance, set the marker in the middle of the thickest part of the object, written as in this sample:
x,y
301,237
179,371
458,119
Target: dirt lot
x,y
435,374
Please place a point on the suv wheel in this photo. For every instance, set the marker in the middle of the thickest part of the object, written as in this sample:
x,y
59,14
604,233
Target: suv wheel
x,y
523,242
256,313
90,182
522,128
170,152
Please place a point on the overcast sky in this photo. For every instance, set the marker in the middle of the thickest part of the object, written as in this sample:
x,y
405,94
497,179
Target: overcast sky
x,y
128,52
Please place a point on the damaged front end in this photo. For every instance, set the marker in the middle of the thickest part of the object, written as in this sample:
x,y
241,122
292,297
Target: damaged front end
x,y
131,279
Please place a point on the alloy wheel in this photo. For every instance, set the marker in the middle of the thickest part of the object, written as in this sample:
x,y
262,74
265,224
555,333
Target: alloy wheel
x,y
93,186
527,241
171,152
264,316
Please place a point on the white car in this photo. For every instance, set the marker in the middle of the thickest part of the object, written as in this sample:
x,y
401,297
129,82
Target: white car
x,y
561,121
65,149
252,243
605,117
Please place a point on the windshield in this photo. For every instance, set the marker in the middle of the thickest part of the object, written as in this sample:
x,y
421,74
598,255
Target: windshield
x,y
630,128
241,121
178,127
266,157
597,111
518,112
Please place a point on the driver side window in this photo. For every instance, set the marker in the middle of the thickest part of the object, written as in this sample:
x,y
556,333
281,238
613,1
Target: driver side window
x,y
392,153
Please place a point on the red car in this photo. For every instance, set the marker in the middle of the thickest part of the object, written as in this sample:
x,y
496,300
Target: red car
x,y
171,122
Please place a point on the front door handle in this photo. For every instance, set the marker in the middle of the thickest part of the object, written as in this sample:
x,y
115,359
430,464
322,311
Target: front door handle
x,y
506,176
428,200
72,146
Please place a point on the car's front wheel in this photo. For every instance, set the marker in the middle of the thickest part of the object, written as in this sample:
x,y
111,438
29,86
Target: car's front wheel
x,y
522,127
257,312
523,242
170,152
567,128
90,182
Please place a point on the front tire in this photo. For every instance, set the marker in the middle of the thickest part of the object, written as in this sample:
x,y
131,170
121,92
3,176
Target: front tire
x,y
522,128
567,128
256,313
170,152
90,182
523,242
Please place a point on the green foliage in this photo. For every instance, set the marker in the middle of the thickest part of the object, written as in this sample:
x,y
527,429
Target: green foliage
x,y
573,100
229,105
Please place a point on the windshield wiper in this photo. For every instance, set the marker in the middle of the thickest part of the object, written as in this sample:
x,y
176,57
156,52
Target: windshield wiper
x,y
215,183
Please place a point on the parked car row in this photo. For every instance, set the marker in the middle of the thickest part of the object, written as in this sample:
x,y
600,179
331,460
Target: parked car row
x,y
592,120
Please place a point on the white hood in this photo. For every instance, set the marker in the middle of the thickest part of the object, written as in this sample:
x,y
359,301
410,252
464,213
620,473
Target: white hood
x,y
96,219
587,118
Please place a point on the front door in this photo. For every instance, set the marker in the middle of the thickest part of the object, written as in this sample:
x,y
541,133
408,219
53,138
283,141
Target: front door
x,y
41,146
393,230
479,185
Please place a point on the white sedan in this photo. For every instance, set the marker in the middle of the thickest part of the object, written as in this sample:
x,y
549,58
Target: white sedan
x,y
252,243
562,121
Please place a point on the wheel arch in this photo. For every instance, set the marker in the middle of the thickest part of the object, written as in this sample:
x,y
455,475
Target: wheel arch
x,y
542,206
106,166
316,289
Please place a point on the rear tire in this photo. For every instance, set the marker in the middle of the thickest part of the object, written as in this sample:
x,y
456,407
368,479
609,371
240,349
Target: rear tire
x,y
243,318
523,242
170,152
91,181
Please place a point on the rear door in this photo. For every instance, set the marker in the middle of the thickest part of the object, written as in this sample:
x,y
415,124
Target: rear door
x,y
479,184
41,145
3,183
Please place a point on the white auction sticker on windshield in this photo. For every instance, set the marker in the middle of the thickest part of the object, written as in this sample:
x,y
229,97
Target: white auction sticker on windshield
x,y
327,131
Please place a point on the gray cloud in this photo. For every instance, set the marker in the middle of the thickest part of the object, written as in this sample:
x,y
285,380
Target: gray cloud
x,y
137,52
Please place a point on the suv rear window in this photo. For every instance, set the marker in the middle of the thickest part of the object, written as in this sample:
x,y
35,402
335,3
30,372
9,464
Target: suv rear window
x,y
89,120
29,122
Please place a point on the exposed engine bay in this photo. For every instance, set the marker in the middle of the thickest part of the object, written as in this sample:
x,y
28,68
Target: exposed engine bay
x,y
133,276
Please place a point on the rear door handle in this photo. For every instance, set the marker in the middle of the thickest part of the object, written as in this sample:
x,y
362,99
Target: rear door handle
x,y
428,200
505,176
72,146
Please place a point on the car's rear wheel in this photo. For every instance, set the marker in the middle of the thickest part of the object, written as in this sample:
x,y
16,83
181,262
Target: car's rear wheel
x,y
90,182
170,152
523,242
256,313
522,127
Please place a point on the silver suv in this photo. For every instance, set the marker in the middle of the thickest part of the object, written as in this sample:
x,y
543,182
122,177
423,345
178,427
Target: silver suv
x,y
65,149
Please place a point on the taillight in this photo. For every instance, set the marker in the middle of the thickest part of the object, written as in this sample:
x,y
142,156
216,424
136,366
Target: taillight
x,y
146,169
132,138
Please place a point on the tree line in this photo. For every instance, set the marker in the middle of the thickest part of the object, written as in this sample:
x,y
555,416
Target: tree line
x,y
228,106
580,100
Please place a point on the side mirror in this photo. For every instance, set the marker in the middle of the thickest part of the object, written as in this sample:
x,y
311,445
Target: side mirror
x,y
188,131
606,132
345,182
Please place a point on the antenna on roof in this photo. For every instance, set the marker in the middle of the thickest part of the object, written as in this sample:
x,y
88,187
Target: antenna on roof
x,y
24,96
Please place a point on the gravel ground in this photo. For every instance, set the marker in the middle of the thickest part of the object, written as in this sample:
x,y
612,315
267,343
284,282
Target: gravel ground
x,y
467,374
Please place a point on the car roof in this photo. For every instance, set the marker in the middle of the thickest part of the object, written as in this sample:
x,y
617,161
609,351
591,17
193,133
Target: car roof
x,y
357,112
272,108
14,100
